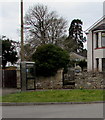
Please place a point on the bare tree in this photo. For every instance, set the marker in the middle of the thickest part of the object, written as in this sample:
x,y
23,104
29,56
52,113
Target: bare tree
x,y
42,26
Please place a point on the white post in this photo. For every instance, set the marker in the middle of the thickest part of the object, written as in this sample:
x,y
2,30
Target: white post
x,y
95,65
89,53
99,34
94,40
100,65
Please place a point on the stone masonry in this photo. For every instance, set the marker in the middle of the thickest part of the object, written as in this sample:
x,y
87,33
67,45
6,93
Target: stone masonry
x,y
54,82
86,80
89,80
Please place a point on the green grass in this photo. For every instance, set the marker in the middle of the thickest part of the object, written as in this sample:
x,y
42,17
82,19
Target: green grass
x,y
55,96
0,98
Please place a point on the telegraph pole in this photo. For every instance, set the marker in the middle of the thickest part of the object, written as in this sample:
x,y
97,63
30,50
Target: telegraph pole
x,y
22,34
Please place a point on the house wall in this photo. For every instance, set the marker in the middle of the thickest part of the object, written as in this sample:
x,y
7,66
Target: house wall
x,y
98,53
103,53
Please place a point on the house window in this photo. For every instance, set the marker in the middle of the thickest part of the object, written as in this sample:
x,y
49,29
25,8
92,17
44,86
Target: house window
x,y
103,39
96,40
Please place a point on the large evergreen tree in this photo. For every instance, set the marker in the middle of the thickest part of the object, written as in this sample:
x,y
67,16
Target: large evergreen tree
x,y
75,40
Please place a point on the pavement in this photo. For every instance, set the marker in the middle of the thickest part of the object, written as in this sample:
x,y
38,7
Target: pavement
x,y
54,111
48,103
6,91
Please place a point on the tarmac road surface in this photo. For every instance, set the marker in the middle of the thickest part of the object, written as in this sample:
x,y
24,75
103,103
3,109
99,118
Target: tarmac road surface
x,y
54,111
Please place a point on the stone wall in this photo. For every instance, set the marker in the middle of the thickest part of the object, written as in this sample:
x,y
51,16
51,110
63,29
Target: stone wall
x,y
89,80
54,82
86,80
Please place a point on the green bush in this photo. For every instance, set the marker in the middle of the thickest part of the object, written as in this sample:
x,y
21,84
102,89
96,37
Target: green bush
x,y
50,58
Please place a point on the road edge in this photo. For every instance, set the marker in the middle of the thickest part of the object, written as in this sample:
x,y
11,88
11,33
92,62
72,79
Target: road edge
x,y
48,103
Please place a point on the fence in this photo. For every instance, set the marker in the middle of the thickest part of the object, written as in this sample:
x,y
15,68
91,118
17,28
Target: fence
x,y
9,79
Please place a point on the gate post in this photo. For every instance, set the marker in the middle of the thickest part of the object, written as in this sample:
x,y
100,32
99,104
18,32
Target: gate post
x,y
23,75
2,74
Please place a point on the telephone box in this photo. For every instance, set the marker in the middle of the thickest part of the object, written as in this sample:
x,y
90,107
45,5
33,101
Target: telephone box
x,y
27,75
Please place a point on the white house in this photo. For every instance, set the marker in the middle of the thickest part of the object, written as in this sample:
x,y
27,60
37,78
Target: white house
x,y
96,46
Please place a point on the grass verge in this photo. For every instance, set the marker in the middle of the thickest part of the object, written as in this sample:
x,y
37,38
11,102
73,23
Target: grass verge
x,y
55,96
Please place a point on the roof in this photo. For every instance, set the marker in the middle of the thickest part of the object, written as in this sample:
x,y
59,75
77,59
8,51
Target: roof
x,y
100,27
27,62
93,27
76,56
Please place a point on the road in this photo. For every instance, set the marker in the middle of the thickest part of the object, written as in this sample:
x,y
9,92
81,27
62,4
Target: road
x,y
54,111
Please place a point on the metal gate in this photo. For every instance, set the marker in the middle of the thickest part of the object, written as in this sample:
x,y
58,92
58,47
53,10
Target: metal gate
x,y
69,79
9,79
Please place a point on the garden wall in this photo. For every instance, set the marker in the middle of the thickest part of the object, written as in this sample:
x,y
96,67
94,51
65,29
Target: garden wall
x,y
54,82
89,80
86,80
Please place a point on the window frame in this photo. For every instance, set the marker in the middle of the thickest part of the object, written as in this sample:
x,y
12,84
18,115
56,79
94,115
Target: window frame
x,y
101,39
97,39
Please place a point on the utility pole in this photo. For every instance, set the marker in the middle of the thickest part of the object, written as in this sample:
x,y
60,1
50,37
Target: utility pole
x,y
22,35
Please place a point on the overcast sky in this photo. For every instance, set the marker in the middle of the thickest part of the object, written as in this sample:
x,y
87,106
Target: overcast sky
x,y
89,12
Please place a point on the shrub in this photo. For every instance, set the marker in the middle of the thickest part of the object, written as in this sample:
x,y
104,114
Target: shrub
x,y
50,58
